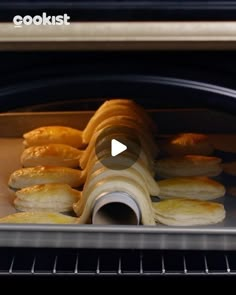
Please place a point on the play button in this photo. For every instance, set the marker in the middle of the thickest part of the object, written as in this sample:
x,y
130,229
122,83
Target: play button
x,y
117,147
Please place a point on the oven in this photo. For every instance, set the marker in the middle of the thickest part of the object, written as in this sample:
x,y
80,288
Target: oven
x,y
174,58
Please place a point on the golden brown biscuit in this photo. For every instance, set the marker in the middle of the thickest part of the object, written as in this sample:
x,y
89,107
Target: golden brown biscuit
x,y
201,188
53,134
184,212
53,154
38,217
190,165
45,174
188,144
54,197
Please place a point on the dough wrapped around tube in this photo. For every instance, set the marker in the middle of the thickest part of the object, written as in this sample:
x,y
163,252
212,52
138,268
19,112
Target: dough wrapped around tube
x,y
136,172
143,132
114,110
138,109
139,193
105,142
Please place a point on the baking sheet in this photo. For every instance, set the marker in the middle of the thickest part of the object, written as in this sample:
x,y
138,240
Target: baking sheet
x,y
218,236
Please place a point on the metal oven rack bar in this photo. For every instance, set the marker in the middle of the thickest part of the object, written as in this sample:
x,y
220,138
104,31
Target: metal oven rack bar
x,y
87,262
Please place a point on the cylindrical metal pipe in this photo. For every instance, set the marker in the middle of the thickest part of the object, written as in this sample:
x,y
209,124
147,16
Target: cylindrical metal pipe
x,y
116,208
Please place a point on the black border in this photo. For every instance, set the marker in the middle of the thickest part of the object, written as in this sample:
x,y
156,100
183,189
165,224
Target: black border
x,y
114,10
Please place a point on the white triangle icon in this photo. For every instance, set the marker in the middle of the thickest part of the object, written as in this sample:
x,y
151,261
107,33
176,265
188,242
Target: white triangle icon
x,y
117,147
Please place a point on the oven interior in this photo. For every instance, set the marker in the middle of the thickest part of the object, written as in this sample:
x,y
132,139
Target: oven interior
x,y
58,82
180,81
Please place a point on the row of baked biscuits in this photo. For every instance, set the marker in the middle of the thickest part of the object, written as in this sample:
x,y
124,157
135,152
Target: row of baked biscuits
x,y
202,188
46,181
187,166
43,196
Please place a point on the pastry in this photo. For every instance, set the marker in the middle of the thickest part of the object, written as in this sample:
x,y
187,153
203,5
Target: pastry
x,y
45,174
53,197
143,133
53,134
38,217
201,188
184,212
188,144
53,154
84,207
102,139
137,172
190,165
116,107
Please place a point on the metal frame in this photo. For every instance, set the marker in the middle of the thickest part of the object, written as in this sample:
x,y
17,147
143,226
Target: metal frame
x,y
121,36
133,263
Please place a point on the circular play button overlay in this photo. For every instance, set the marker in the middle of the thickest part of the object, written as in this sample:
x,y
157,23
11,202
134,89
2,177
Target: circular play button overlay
x,y
118,147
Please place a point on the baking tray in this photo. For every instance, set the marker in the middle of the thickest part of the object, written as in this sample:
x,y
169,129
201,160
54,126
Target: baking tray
x,y
219,236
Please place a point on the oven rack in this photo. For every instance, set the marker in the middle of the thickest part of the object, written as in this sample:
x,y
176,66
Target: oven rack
x,y
105,262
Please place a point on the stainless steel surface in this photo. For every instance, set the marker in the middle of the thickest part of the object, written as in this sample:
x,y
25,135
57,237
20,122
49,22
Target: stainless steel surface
x,y
112,215
73,262
161,35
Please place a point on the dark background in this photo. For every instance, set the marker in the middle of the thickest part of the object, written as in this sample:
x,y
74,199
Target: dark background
x,y
106,10
36,78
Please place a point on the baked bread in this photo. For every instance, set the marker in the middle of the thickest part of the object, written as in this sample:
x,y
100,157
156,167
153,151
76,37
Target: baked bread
x,y
185,212
188,144
201,188
137,172
117,107
189,165
54,197
53,154
102,140
38,217
143,133
84,207
53,134
45,174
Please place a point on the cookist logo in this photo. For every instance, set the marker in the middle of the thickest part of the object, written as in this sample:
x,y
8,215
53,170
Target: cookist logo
x,y
41,20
